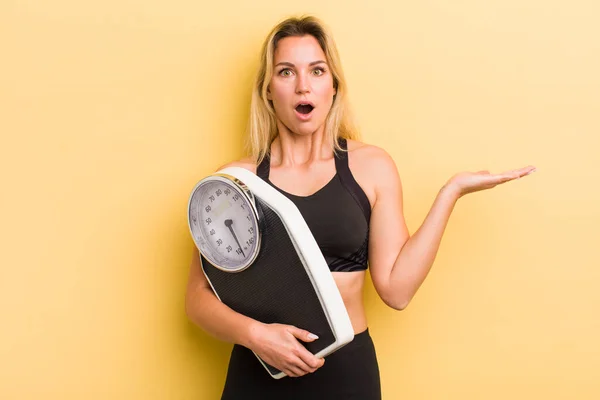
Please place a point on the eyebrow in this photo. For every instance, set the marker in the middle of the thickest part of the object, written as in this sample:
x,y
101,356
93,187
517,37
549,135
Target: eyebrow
x,y
289,64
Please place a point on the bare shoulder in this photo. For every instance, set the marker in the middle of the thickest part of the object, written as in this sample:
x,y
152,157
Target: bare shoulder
x,y
247,163
372,167
369,154
370,159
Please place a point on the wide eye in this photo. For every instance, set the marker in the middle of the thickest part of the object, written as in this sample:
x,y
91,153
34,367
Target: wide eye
x,y
285,72
318,71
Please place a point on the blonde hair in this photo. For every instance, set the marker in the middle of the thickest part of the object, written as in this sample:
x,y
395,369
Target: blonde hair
x,y
262,124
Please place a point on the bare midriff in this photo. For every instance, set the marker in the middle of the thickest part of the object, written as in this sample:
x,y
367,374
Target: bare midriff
x,y
350,285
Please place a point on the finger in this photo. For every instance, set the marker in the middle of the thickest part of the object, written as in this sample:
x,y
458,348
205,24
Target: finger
x,y
296,371
520,172
289,373
530,171
511,175
508,178
300,359
494,179
309,359
302,334
290,368
525,171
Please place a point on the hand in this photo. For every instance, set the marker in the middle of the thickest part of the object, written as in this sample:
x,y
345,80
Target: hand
x,y
278,345
469,182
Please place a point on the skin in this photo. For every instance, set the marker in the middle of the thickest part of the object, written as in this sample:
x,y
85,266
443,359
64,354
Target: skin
x,y
301,164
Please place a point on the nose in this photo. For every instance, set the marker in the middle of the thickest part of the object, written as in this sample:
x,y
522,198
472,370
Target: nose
x,y
302,84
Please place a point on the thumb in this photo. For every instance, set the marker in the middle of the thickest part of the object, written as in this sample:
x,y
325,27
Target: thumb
x,y
303,334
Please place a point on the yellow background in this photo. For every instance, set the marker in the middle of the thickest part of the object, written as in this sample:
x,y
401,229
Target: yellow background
x,y
112,110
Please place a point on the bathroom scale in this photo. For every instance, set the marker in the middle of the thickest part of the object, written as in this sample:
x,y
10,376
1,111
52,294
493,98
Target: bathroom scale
x,y
261,259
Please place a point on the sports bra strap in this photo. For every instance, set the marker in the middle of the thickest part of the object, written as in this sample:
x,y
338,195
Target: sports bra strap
x,y
341,157
263,169
343,171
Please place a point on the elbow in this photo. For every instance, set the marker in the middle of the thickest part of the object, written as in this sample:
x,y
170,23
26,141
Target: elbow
x,y
195,305
395,294
187,307
191,306
398,304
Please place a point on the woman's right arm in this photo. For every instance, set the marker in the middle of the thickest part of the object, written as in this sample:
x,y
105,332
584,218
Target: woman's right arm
x,y
277,344
207,311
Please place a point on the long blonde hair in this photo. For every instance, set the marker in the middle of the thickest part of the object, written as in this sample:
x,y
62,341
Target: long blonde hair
x,y
262,123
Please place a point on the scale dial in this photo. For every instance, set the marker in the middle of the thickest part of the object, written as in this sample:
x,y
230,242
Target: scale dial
x,y
224,222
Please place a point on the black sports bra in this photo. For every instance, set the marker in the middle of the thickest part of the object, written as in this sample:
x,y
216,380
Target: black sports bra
x,y
338,215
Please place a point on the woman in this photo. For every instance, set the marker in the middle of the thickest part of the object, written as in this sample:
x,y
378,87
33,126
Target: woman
x,y
350,195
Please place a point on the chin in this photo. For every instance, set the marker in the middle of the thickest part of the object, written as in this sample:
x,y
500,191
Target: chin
x,y
306,131
303,129
308,128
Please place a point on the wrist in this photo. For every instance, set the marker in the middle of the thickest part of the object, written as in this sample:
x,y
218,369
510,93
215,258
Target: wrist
x,y
451,190
253,332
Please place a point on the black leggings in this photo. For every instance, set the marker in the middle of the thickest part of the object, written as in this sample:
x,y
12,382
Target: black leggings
x,y
351,372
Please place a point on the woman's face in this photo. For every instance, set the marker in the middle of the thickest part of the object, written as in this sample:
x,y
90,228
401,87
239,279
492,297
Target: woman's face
x,y
301,88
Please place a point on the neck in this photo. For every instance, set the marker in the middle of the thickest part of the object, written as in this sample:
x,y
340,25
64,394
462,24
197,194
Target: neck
x,y
294,150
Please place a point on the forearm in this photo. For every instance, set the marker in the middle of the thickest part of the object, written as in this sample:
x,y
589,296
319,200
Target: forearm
x,y
217,319
418,253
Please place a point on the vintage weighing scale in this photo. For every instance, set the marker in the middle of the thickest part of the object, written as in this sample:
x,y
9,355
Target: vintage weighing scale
x,y
262,260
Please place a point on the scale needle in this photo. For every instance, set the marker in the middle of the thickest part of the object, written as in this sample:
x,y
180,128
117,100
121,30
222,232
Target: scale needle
x,y
228,224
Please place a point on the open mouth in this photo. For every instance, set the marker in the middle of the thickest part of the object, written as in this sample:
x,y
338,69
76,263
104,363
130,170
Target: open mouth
x,y
304,108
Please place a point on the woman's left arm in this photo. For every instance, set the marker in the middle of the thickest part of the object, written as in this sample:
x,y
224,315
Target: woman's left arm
x,y
399,262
